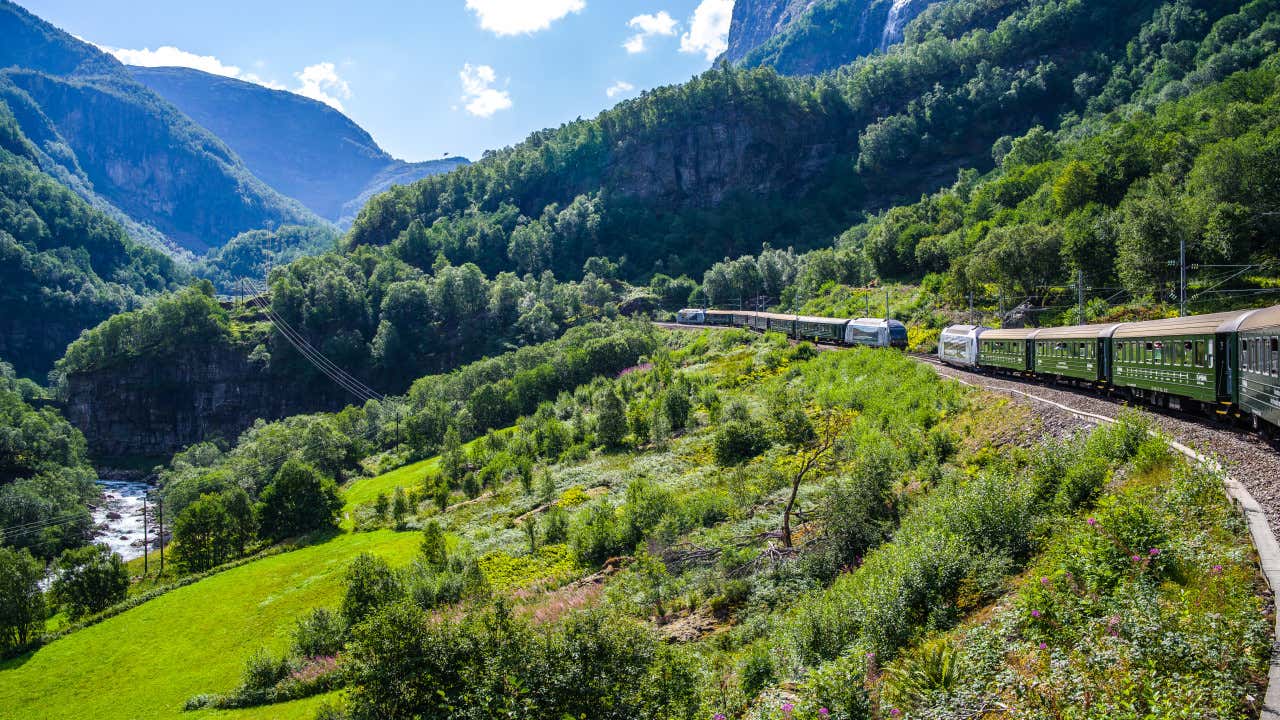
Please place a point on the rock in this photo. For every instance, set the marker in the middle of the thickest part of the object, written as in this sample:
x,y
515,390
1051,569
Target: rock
x,y
113,515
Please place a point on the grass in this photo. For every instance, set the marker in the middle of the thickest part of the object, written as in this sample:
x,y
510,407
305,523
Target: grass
x,y
146,662
366,490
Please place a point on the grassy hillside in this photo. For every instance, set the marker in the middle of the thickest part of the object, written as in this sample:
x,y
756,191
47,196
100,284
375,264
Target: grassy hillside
x,y
148,661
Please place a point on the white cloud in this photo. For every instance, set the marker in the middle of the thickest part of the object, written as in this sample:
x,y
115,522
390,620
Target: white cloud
x,y
322,82
622,87
709,29
516,17
169,56
482,100
647,26
318,82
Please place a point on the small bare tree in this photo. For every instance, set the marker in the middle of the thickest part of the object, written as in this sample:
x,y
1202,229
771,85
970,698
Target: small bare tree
x,y
811,454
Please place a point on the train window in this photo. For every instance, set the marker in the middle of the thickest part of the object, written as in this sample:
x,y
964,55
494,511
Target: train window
x,y
1200,358
1275,357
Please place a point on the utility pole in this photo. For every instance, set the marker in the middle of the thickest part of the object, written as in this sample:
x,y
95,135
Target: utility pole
x,y
1182,283
867,296
160,515
886,305
146,539
1080,293
971,320
1000,305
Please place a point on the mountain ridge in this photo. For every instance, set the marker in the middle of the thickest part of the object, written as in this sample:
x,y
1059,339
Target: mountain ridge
x,y
303,148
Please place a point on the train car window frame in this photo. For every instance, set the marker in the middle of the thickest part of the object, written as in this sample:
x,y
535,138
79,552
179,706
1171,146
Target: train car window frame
x,y
1275,357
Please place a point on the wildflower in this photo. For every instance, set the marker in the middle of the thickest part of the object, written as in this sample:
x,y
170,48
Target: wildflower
x,y
787,708
1043,646
1136,558
718,716
1093,522
1154,552
871,656
823,712
895,712
1217,569
1035,613
1044,581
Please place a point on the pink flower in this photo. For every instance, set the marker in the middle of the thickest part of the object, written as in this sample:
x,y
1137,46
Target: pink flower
x,y
1035,613
787,708
1137,558
1044,646
1044,581
1217,569
824,712
1093,522
718,716
895,712
1154,552
871,656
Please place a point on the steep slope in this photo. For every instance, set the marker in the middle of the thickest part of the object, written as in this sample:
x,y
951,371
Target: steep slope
x,y
301,147
685,175
124,143
806,36
64,266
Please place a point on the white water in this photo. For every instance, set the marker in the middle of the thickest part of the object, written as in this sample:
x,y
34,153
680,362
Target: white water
x,y
894,24
119,517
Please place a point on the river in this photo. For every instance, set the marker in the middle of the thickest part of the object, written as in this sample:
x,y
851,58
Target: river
x,y
118,519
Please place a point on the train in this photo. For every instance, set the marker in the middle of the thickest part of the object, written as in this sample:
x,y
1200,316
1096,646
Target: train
x,y
1225,364
867,332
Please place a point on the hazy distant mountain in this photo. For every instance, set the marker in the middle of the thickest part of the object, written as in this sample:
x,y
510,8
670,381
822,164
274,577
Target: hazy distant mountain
x,y
301,147
118,144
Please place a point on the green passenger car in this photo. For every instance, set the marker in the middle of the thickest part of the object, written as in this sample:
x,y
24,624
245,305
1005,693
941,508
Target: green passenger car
x,y
1079,352
1258,343
1188,357
1006,349
721,318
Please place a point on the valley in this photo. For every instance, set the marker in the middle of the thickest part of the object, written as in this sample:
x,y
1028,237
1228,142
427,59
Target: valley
x,y
677,409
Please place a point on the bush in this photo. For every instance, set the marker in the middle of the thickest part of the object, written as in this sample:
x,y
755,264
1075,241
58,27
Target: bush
x,y
319,633
262,671
737,441
370,584
756,671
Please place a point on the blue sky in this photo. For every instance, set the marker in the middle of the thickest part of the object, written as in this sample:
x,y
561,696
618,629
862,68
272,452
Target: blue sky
x,y
424,78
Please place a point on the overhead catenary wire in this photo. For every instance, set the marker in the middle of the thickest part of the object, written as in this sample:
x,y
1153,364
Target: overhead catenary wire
x,y
315,357
327,367
338,374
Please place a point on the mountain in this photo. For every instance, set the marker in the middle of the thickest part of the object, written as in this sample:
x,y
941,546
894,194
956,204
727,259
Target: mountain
x,y
299,146
800,37
117,143
687,175
64,265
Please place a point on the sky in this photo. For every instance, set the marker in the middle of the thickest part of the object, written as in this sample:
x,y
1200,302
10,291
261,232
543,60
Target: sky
x,y
425,78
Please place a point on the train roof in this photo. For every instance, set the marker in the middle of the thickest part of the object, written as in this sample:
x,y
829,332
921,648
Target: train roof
x,y
774,316
720,312
1010,334
1261,319
1192,325
880,322
822,320
684,310
1074,332
966,330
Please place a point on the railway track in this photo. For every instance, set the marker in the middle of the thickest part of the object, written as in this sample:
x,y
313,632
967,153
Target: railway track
x,y
1251,463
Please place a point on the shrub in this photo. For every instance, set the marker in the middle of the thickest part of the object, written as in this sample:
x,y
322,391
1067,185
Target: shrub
x,y
262,671
1081,482
756,671
370,583
840,686
319,633
737,441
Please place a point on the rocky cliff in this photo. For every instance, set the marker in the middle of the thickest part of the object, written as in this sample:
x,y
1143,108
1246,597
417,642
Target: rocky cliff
x,y
804,37
154,407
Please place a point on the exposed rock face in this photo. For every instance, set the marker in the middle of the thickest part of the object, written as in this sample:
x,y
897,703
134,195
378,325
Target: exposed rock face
x,y
756,21
155,408
803,37
736,151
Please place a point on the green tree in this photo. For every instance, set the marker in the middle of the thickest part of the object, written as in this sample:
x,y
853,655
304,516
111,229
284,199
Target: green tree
x,y
370,584
22,606
298,500
90,579
201,534
611,419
